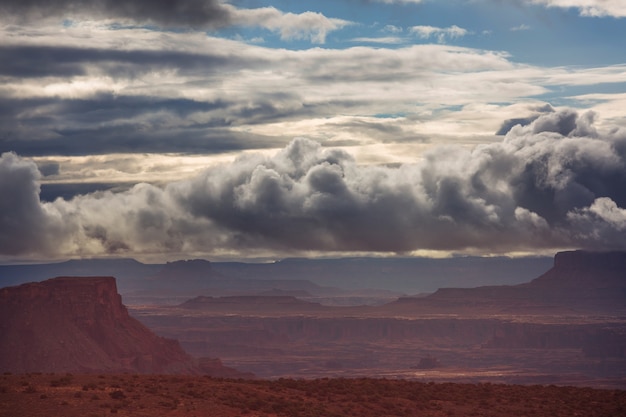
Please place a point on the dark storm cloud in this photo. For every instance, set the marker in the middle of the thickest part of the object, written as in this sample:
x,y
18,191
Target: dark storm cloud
x,y
535,189
44,61
187,13
107,123
507,125
204,138
67,191
517,194
47,169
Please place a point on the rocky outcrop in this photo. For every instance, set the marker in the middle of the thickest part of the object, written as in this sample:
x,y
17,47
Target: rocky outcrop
x,y
428,362
580,282
583,269
79,324
184,275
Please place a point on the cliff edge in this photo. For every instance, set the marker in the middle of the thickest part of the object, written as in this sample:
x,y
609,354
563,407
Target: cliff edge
x,y
580,282
79,324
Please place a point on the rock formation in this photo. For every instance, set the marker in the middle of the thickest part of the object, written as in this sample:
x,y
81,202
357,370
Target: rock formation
x,y
184,275
80,324
579,282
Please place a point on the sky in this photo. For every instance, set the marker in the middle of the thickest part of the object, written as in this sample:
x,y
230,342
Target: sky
x,y
256,129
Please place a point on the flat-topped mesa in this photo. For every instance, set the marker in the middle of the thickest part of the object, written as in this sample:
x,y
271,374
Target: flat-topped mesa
x,y
184,275
79,324
579,282
84,298
584,269
586,259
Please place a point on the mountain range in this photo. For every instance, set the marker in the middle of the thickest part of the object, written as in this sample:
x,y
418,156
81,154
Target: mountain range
x,y
348,281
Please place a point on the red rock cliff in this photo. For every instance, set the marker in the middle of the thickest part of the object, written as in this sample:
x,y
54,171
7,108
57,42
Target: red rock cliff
x,y
79,324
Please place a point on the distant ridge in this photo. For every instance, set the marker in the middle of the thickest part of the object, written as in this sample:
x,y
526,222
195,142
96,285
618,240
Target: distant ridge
x,y
188,268
578,282
184,275
258,304
174,282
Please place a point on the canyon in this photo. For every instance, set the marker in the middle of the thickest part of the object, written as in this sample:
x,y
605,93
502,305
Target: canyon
x,y
566,326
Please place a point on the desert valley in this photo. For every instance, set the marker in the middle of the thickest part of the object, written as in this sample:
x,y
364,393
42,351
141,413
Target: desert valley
x,y
260,322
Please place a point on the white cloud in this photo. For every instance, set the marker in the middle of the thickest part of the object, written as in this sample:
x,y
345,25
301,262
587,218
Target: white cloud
x,y
592,8
520,28
393,29
441,34
400,1
207,14
389,40
308,25
609,212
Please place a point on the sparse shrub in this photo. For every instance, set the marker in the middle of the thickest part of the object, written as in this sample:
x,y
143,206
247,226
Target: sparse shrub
x,y
166,404
30,389
62,382
117,395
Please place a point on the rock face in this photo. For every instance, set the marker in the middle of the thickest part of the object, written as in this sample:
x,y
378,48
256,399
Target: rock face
x,y
184,275
79,324
579,282
582,269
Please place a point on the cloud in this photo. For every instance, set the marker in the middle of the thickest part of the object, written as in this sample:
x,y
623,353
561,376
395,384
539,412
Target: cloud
x,y
520,28
26,227
441,34
388,40
400,1
591,8
551,184
187,13
29,61
196,14
126,123
307,25
507,125
189,92
392,29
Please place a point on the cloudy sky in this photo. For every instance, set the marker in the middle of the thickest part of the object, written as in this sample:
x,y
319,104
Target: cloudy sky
x,y
242,129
